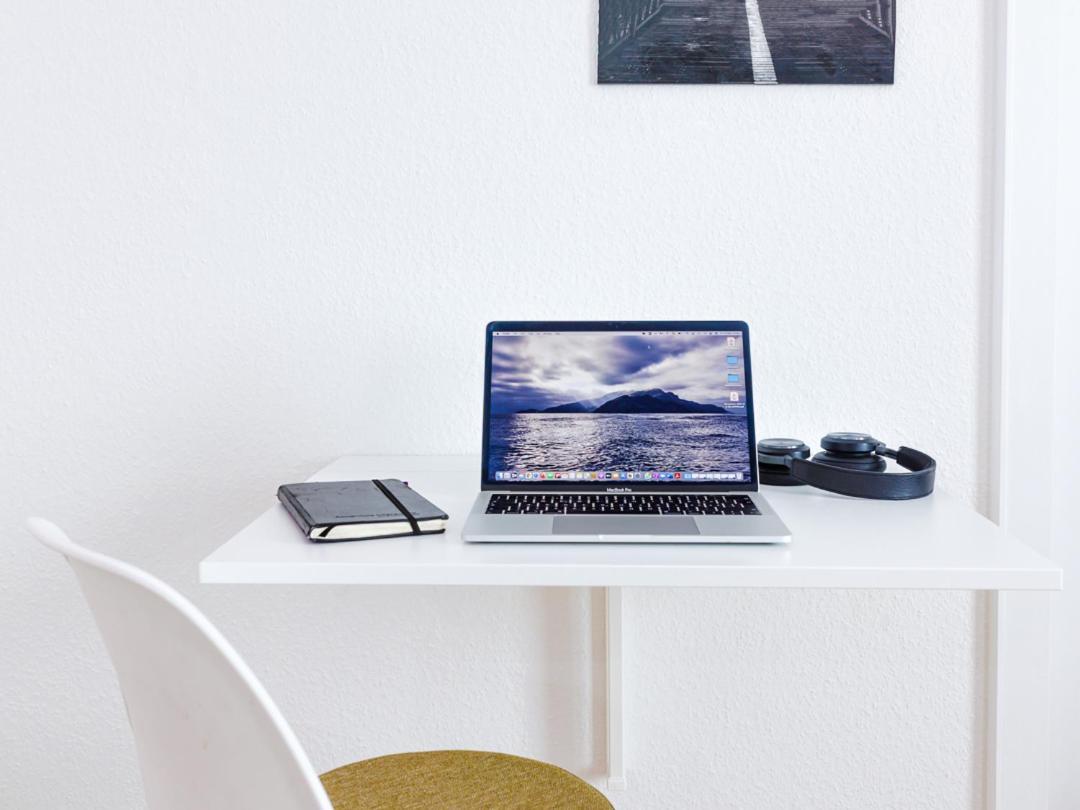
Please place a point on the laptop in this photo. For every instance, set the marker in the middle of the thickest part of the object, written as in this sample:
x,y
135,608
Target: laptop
x,y
620,432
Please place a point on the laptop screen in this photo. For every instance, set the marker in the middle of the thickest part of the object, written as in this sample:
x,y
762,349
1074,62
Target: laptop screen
x,y
634,406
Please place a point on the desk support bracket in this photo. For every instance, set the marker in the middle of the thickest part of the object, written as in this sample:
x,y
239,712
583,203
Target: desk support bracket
x,y
614,645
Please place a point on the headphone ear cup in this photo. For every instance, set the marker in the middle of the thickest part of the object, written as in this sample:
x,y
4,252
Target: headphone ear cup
x,y
774,461
864,462
777,476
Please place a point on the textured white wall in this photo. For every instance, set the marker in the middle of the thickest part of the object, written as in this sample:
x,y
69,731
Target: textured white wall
x,y
1064,697
240,239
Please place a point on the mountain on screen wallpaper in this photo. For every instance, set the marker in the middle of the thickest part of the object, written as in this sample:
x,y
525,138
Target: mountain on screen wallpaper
x,y
604,401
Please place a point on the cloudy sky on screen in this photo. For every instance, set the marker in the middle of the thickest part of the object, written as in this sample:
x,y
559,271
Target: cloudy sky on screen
x,y
539,371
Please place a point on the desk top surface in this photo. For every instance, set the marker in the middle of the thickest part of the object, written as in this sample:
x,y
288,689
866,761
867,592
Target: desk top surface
x,y
837,542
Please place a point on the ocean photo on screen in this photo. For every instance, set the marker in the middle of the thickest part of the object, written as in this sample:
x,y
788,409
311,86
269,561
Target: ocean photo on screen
x,y
618,402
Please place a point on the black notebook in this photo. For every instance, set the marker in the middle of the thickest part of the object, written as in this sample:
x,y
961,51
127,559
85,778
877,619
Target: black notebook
x,y
360,510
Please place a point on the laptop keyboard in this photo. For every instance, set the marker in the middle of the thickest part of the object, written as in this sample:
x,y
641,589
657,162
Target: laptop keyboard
x,y
528,503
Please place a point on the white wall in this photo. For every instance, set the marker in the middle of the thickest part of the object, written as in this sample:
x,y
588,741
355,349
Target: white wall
x,y
238,240
1065,699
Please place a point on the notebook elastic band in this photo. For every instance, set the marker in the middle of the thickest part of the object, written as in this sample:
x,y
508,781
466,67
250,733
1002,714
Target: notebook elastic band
x,y
401,507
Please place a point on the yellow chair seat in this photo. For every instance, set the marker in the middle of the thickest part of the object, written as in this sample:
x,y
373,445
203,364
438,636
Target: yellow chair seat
x,y
458,780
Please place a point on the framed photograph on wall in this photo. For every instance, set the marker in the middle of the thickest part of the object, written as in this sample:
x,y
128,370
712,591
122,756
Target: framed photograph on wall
x,y
747,41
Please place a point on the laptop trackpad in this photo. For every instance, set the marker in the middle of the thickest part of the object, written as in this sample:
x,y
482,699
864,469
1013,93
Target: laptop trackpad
x,y
630,524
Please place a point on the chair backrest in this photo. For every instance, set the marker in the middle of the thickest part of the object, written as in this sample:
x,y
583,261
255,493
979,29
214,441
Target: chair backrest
x,y
208,735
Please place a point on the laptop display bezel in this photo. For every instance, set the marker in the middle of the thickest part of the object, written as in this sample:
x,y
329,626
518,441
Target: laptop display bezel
x,y
486,484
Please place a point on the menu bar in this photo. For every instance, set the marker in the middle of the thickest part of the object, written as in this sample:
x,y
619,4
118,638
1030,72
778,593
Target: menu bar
x,y
657,332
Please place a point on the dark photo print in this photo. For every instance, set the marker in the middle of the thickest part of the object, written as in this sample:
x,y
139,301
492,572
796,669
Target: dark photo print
x,y
747,41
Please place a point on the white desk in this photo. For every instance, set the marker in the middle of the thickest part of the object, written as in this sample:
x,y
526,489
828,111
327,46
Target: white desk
x,y
933,543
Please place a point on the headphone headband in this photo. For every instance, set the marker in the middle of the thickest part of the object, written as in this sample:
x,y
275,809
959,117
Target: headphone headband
x,y
916,483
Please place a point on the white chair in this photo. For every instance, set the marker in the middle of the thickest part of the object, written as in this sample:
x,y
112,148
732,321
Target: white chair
x,y
209,737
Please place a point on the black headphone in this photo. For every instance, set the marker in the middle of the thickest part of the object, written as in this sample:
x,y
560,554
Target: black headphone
x,y
849,464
